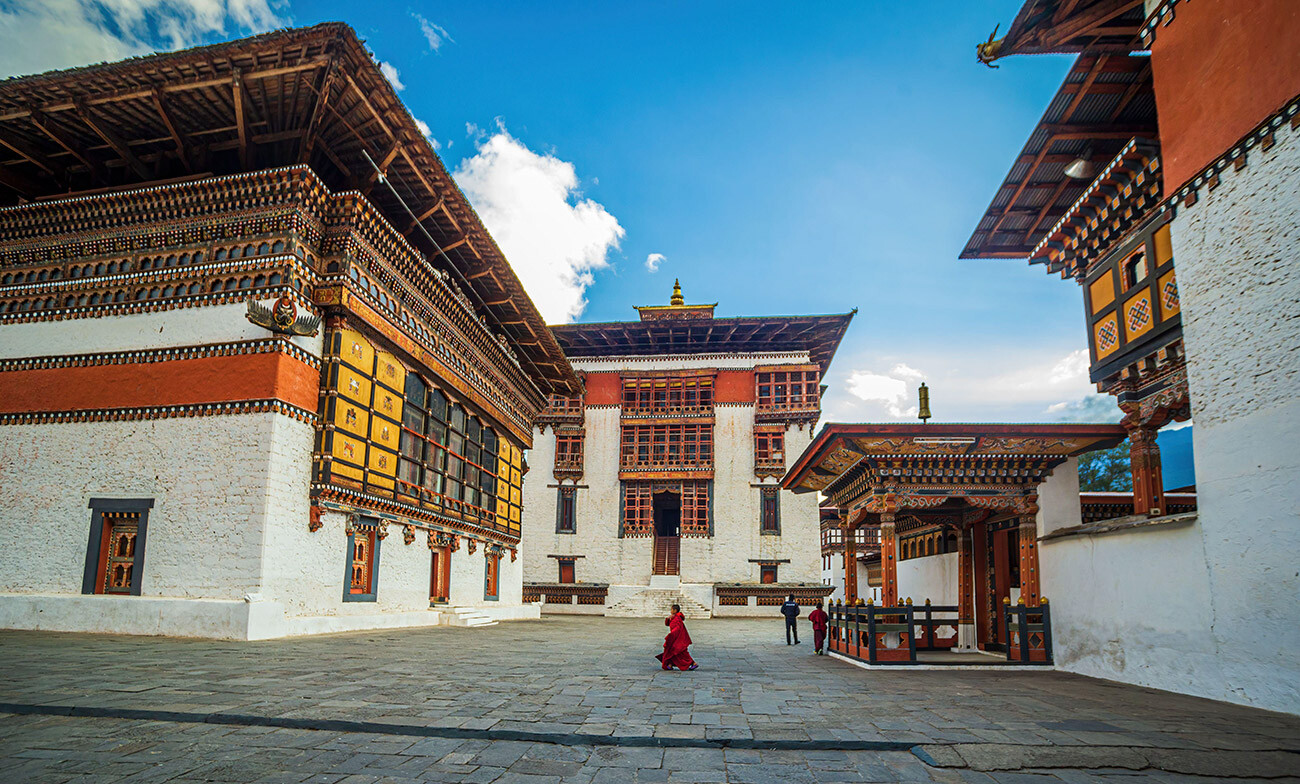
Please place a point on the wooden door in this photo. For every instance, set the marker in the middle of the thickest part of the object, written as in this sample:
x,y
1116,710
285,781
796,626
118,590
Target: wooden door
x,y
666,554
439,575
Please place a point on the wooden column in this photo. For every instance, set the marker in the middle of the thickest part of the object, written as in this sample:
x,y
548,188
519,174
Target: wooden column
x,y
965,598
1144,461
1029,561
850,564
888,561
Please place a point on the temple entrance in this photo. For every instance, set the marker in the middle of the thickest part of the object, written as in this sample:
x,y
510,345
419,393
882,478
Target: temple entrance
x,y
667,510
997,580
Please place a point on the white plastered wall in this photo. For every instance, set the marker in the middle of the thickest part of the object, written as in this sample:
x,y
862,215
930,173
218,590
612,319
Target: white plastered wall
x,y
208,477
1237,252
932,577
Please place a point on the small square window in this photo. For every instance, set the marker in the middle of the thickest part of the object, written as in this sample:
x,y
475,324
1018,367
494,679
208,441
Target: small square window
x,y
567,570
767,573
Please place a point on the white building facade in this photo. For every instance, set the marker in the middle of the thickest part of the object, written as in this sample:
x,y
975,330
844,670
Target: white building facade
x,y
661,484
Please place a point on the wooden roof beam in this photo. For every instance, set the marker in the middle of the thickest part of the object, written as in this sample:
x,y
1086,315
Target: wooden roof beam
x,y
182,152
237,94
318,111
119,146
418,219
73,147
31,154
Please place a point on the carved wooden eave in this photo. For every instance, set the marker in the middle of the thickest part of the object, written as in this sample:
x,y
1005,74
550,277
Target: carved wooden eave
x,y
312,96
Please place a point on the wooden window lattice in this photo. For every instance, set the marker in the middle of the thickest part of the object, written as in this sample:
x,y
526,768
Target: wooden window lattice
x,y
120,532
680,396
788,390
667,447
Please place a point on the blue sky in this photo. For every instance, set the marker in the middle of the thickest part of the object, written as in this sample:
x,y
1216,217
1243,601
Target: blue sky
x,y
782,158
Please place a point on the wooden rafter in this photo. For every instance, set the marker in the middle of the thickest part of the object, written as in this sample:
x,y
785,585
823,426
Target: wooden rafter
x,y
182,151
71,146
237,96
118,145
31,154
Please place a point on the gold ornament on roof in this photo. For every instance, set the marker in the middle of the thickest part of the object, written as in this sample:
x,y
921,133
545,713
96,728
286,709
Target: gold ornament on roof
x,y
677,299
923,395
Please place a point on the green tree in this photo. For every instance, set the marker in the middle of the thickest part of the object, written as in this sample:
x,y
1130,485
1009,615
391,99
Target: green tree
x,y
1106,470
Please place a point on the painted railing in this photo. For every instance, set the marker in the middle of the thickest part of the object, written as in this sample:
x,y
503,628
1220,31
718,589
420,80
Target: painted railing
x,y
1029,633
876,635
936,633
566,593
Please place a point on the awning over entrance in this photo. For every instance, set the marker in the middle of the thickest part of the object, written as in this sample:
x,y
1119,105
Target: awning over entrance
x,y
932,487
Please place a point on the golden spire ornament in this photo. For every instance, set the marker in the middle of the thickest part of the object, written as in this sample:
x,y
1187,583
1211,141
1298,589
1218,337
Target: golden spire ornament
x,y
923,411
677,300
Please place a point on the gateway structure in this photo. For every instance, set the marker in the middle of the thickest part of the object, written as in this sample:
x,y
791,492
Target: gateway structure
x,y
262,369
660,484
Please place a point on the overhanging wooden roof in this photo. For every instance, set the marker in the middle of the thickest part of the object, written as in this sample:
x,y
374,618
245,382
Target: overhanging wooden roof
x,y
839,448
818,335
305,96
1104,102
1070,26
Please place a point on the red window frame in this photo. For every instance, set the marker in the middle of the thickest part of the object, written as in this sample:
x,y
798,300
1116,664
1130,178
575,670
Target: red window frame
x,y
667,395
567,570
568,449
769,449
675,446
767,573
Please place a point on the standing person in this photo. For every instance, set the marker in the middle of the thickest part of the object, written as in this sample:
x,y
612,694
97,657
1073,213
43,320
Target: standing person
x,y
791,612
676,643
819,618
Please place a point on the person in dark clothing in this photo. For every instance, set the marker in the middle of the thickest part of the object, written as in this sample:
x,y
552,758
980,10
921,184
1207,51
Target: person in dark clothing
x,y
791,612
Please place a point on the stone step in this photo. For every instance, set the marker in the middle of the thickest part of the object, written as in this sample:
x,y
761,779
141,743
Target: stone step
x,y
656,602
467,616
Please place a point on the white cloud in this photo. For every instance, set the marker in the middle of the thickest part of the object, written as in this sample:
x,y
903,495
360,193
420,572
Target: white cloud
x,y
1092,408
41,35
885,391
554,238
653,261
434,34
391,74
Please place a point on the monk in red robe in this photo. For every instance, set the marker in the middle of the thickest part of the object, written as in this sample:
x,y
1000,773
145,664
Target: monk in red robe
x,y
819,618
676,643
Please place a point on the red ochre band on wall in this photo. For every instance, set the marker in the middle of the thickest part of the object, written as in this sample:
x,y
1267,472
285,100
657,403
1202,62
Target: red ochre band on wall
x,y
180,382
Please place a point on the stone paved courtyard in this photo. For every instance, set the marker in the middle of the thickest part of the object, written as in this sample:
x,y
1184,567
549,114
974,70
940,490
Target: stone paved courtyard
x,y
581,700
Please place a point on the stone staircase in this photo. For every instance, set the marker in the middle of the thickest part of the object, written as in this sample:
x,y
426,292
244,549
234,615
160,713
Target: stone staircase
x,y
466,616
655,603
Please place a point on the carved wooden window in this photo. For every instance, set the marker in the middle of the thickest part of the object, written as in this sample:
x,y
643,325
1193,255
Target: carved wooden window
x,y
769,449
566,510
362,575
638,516
1134,269
782,390
448,458
491,575
695,508
769,510
568,450
115,552
667,395
767,573
667,447
566,570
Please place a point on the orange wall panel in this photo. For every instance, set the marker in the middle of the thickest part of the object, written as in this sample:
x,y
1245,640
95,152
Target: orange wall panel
x,y
1219,68
172,383
734,386
604,389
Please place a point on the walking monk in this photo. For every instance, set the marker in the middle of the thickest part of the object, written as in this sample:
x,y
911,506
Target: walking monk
x,y
819,619
676,643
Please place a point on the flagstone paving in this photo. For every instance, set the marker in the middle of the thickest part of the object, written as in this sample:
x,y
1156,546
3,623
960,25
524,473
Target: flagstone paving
x,y
581,700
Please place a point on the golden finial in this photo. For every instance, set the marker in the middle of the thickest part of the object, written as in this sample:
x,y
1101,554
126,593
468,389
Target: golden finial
x,y
923,396
677,298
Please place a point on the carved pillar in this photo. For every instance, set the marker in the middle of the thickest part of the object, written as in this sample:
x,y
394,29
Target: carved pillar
x,y
1029,560
850,564
1144,461
965,601
888,561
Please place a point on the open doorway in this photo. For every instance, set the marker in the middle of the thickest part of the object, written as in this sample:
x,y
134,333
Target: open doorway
x,y
667,510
